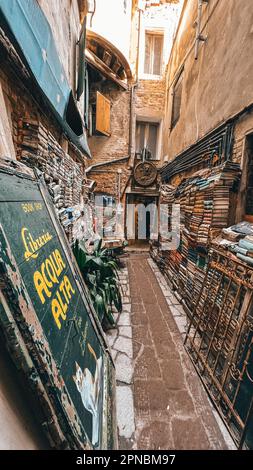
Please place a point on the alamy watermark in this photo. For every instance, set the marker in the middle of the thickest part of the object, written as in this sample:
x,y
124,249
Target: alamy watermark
x,y
138,222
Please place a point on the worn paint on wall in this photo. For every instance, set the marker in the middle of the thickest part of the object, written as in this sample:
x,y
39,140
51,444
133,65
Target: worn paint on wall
x,y
218,84
6,141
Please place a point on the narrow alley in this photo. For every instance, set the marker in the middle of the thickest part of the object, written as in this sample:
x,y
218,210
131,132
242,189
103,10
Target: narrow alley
x,y
171,409
126,228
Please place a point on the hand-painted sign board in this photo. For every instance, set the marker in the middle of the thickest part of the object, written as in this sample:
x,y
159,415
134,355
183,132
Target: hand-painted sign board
x,y
47,305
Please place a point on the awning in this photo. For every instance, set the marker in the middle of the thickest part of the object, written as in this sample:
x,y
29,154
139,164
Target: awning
x,y
95,62
34,39
102,55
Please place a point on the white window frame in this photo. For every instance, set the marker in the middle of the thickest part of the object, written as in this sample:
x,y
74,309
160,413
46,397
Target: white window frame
x,y
152,32
151,120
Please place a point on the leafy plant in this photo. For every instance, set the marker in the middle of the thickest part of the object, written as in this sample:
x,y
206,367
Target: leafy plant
x,y
99,270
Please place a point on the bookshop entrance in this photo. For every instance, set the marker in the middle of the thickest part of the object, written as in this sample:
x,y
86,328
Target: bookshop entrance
x,y
142,219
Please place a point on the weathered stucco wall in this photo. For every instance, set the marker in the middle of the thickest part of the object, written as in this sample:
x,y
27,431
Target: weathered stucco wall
x,y
218,84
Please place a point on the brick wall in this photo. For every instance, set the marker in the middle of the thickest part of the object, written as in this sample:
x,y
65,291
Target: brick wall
x,y
149,98
107,178
117,145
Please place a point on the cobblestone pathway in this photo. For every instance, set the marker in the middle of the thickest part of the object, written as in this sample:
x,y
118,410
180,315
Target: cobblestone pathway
x,y
171,409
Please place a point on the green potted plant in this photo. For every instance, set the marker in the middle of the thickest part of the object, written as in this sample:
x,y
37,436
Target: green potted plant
x,y
99,270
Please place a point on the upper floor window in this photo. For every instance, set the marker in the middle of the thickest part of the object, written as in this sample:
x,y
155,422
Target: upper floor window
x,y
177,98
147,138
153,54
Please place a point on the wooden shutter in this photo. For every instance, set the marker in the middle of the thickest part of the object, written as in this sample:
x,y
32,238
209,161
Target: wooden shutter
x,y
140,136
103,115
157,51
177,97
148,46
152,139
153,54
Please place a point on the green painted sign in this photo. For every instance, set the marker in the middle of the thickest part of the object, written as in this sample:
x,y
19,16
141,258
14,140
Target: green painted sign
x,y
52,308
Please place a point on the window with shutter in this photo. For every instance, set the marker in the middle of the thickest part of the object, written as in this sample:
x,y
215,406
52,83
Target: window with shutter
x,y
153,54
177,98
103,115
147,137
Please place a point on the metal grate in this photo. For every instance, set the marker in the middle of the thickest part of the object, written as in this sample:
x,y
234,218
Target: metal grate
x,y
218,143
220,342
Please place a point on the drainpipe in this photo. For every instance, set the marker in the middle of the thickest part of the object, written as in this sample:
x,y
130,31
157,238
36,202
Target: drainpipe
x,y
131,119
199,36
132,94
138,46
92,12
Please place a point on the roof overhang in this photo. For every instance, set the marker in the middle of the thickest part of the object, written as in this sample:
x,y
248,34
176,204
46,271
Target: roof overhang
x,y
99,65
107,59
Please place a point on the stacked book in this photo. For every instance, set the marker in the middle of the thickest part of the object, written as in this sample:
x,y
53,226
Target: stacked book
x,y
220,206
238,241
204,200
38,148
167,198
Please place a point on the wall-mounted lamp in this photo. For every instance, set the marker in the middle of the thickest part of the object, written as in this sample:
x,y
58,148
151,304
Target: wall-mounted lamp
x,y
92,9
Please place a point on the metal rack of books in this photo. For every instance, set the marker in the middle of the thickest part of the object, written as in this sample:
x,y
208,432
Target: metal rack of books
x,y
220,340
212,271
204,200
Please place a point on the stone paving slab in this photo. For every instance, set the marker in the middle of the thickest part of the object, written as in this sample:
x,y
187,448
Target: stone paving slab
x,y
121,344
171,408
161,403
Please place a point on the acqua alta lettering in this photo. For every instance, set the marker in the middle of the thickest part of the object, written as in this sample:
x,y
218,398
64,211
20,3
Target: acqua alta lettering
x,y
45,280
